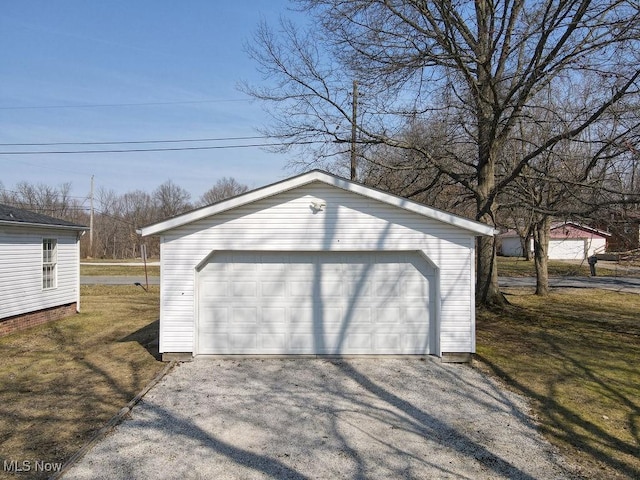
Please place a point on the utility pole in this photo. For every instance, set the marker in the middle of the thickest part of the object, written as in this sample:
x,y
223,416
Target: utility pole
x,y
354,116
91,220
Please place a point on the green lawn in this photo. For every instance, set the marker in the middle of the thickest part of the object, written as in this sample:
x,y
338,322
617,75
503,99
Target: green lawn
x,y
576,355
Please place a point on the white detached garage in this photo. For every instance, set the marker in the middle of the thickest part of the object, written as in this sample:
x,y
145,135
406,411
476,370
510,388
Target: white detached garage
x,y
317,265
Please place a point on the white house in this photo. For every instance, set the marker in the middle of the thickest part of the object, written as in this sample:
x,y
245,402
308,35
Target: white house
x,y
39,268
567,241
317,264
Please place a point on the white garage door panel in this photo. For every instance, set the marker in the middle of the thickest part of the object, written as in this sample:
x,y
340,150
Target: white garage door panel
x,y
315,303
569,249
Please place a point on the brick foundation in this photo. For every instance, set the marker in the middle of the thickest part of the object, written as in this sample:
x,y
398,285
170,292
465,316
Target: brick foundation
x,y
27,320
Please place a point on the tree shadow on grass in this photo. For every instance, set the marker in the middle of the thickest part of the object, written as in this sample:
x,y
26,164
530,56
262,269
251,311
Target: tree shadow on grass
x,y
147,337
62,392
588,345
558,412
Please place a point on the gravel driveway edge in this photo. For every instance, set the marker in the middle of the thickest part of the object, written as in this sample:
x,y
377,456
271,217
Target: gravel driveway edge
x,y
112,423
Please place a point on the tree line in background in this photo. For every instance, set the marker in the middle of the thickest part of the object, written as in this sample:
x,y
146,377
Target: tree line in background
x,y
116,216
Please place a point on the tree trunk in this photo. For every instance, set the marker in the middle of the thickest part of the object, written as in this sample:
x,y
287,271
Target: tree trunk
x,y
541,235
524,243
487,289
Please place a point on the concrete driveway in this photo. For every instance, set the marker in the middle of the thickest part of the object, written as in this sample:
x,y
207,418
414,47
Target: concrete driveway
x,y
313,418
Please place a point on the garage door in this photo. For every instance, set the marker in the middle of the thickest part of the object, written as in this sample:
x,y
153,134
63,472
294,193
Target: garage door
x,y
569,249
315,303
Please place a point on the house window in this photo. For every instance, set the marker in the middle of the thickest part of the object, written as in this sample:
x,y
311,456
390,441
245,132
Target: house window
x,y
49,262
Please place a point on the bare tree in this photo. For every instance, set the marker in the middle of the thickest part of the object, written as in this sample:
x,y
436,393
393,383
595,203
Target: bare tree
x,y
108,232
117,216
516,216
476,66
54,201
410,174
223,189
575,179
138,210
171,199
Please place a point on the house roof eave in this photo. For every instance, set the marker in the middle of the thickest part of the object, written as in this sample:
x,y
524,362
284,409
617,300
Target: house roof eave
x,y
78,228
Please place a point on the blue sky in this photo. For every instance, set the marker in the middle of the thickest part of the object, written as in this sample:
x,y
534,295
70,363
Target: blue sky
x,y
78,53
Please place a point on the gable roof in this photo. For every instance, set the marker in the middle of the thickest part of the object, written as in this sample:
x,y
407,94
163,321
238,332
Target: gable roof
x,y
579,226
19,217
474,227
556,226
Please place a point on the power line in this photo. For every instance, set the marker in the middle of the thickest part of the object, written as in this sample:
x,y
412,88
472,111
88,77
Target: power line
x,y
109,105
135,142
174,149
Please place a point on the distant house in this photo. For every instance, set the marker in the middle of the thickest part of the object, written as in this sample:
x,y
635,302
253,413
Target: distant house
x,y
568,241
39,268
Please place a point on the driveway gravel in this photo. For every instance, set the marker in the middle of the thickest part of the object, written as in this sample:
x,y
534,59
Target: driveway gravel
x,y
325,419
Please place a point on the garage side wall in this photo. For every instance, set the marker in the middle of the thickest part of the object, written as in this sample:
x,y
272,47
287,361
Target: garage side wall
x,y
287,222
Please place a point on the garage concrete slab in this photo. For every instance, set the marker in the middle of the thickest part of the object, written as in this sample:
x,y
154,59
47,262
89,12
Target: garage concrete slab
x,y
314,418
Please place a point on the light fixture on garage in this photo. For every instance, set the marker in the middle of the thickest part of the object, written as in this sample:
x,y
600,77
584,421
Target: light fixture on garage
x,y
318,205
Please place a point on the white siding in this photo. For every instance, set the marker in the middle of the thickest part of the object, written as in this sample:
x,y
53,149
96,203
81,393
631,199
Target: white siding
x,y
569,249
21,270
559,249
596,245
575,248
285,222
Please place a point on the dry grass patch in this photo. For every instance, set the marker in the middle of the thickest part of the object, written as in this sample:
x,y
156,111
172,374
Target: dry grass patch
x,y
519,267
120,260
575,353
61,382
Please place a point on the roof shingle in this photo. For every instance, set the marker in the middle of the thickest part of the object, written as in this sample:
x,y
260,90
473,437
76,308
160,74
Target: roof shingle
x,y
9,214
